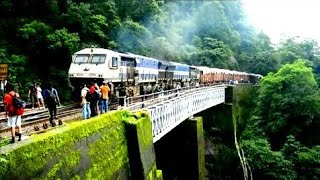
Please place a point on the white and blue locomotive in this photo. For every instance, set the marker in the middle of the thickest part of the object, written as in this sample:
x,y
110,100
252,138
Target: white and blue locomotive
x,y
97,65
143,74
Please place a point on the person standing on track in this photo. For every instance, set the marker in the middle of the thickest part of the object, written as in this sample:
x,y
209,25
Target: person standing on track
x,y
52,100
97,89
13,114
33,95
94,98
40,97
85,102
105,90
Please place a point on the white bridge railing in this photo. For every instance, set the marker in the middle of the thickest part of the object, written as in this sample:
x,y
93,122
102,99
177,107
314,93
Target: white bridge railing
x,y
168,114
143,101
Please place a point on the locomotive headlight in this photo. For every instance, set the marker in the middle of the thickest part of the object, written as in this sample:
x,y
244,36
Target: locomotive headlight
x,y
71,75
100,75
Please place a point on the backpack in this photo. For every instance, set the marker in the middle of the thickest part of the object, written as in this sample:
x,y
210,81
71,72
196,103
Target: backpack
x,y
88,96
51,97
96,95
17,102
92,97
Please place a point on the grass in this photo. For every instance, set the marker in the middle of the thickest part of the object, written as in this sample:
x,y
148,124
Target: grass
x,y
4,142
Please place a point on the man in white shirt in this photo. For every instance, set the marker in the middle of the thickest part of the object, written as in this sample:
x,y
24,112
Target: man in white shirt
x,y
86,112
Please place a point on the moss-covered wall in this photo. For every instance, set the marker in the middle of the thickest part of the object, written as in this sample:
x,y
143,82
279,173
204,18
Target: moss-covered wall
x,y
90,149
140,145
243,103
201,148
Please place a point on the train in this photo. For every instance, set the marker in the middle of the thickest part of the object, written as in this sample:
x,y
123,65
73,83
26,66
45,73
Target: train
x,y
143,75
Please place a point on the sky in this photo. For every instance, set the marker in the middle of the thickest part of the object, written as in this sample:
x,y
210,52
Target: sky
x,y
282,18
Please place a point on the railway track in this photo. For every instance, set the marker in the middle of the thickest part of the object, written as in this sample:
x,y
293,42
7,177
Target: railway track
x,y
37,121
33,121
29,115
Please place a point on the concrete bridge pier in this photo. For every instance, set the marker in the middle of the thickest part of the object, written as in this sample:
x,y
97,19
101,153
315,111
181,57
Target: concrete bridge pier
x,y
141,150
180,154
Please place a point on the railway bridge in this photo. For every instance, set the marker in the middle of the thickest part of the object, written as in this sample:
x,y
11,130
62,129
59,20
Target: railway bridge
x,y
160,137
169,109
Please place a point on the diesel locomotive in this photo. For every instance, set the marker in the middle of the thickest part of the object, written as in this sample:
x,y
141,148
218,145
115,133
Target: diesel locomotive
x,y
143,74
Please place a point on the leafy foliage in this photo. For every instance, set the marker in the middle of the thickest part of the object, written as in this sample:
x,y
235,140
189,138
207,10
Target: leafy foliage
x,y
309,162
266,163
62,39
46,33
288,101
291,49
212,53
282,133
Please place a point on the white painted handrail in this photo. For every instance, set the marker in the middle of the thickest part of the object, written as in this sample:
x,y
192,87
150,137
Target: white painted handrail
x,y
143,101
170,113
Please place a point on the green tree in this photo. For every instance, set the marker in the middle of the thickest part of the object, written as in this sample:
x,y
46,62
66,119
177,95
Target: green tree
x,y
294,48
291,49
75,17
265,163
62,38
63,43
34,39
212,53
136,10
309,163
288,101
262,63
97,28
306,160
35,35
211,21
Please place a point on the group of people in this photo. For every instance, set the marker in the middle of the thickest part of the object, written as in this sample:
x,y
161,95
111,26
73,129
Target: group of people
x,y
13,111
35,95
94,99
45,97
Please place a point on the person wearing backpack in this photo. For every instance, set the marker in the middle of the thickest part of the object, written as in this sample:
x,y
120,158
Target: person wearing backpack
x,y
52,100
94,99
13,111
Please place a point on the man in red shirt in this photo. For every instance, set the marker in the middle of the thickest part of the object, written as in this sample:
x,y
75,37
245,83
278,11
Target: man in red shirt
x,y
13,114
94,100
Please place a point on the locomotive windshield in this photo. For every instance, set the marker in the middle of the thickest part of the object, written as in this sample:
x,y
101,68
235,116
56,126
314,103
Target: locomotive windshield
x,y
98,59
81,58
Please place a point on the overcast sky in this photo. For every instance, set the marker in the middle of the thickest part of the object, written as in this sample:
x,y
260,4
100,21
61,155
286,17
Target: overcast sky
x,y
285,17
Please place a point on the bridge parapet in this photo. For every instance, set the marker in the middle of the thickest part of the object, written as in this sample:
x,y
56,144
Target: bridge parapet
x,y
170,113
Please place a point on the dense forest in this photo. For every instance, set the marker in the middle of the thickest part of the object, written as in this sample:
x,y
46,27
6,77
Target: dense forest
x,y
282,138
38,38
